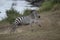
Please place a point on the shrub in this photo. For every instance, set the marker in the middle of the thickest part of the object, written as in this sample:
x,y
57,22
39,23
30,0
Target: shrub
x,y
56,1
11,15
46,6
26,12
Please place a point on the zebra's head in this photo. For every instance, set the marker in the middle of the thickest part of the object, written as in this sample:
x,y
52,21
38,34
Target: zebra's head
x,y
35,14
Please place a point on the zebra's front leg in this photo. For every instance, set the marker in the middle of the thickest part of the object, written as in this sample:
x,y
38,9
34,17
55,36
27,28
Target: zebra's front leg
x,y
31,25
38,23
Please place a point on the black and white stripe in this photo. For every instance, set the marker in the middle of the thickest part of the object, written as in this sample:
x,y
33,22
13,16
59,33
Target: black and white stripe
x,y
18,20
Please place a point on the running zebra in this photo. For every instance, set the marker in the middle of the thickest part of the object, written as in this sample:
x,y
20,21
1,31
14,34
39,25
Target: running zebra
x,y
27,20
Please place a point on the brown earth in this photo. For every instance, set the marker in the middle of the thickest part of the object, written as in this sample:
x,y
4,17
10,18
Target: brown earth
x,y
49,30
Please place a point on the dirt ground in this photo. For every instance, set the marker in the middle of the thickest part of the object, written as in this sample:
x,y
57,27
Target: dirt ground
x,y
49,30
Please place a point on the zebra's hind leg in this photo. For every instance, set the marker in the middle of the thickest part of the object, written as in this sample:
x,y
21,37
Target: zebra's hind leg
x,y
13,28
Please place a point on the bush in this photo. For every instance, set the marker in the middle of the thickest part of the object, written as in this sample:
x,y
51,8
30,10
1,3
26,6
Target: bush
x,y
11,15
56,1
46,6
26,12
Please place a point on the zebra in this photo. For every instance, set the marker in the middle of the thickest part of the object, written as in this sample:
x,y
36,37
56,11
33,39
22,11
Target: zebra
x,y
27,20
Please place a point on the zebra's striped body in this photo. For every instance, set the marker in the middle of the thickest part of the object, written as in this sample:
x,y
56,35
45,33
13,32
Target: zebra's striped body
x,y
32,18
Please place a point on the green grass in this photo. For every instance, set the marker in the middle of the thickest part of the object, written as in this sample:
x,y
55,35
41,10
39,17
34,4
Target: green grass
x,y
46,6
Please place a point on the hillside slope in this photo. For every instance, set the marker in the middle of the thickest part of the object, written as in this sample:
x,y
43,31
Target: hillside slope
x,y
49,30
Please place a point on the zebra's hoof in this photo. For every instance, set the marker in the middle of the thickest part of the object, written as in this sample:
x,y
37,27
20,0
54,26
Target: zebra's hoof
x,y
39,25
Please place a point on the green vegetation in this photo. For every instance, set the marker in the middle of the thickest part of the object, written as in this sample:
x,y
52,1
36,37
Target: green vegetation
x,y
48,5
11,15
26,12
56,1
